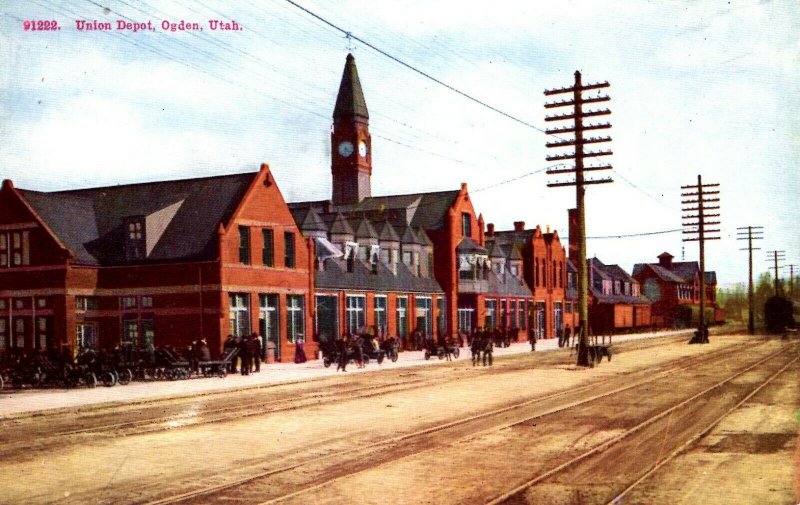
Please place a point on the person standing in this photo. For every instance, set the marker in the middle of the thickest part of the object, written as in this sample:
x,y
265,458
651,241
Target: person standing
x,y
244,355
488,350
341,346
299,351
257,350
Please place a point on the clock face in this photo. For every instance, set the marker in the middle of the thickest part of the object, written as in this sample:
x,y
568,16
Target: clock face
x,y
345,148
362,149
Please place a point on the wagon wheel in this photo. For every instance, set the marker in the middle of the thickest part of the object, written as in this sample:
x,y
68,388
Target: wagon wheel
x,y
440,353
456,352
326,361
90,379
427,355
108,379
222,372
394,356
380,358
125,376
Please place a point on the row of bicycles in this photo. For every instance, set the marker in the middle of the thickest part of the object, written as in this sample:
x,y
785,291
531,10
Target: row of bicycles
x,y
92,368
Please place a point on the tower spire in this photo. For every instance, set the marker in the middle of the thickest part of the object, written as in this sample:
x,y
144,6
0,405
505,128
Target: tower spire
x,y
350,103
351,143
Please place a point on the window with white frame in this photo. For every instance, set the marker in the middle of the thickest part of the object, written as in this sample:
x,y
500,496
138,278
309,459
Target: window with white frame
x,y
86,336
239,314
424,319
491,319
512,312
295,318
523,315
466,315
402,316
380,314
128,302
14,249
354,313
327,317
83,303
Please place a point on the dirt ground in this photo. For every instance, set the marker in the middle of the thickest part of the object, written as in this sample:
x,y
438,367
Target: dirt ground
x,y
357,439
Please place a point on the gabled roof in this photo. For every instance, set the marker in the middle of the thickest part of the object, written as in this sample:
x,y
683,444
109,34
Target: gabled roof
x,y
515,253
711,277
469,246
182,216
495,251
660,271
350,99
386,232
407,236
340,226
308,220
365,230
423,237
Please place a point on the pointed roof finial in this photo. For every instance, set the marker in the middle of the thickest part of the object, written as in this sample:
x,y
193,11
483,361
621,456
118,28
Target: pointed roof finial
x,y
350,101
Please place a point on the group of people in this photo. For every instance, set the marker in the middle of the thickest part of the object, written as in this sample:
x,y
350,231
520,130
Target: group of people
x,y
482,344
248,356
352,346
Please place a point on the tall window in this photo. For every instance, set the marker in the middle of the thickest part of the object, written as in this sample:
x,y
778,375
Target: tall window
x,y
288,243
239,314
130,332
424,319
465,317
86,336
354,310
402,317
295,317
466,224
380,314
327,317
244,245
268,250
503,313
441,316
512,311
268,322
523,315
3,334
491,317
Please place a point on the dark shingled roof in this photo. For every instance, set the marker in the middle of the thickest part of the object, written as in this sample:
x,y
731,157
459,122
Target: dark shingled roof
x,y
336,276
660,271
365,230
308,219
340,226
350,100
495,251
423,237
91,222
507,284
409,237
387,233
467,245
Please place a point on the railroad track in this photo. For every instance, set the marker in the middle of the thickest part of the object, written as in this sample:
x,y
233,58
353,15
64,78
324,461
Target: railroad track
x,y
420,439
236,412
515,495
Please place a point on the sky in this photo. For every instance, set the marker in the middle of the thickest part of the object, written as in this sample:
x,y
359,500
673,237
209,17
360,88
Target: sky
x,y
697,88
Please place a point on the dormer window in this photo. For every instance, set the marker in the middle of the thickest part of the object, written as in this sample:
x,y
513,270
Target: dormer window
x,y
134,238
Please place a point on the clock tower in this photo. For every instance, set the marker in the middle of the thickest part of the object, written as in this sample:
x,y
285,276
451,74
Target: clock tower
x,y
351,144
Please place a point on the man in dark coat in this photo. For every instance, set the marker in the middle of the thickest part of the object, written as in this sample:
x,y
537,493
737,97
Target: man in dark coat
x,y
342,347
244,355
488,349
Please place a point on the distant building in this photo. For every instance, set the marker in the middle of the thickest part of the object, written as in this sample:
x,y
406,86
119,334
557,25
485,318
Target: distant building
x,y
674,289
616,304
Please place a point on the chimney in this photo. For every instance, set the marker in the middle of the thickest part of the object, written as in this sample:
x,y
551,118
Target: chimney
x,y
572,217
490,230
519,225
665,260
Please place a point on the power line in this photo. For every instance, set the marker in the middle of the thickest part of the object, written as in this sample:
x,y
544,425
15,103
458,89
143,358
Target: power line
x,y
415,69
643,234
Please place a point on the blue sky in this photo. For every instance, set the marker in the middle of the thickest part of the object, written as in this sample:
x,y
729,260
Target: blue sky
x,y
697,88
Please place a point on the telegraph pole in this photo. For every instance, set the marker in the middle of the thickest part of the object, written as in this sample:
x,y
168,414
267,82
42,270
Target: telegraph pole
x,y
577,129
776,257
752,233
791,279
700,201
